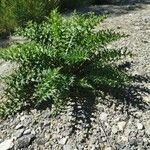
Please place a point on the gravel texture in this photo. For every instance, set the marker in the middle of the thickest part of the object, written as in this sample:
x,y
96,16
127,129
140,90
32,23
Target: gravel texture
x,y
103,124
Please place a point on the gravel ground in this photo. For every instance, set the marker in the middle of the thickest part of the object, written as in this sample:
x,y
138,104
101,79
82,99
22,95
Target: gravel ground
x,y
102,124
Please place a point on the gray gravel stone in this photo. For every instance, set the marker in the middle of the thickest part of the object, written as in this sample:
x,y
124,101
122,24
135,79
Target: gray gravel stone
x,y
24,141
40,141
1,140
132,141
46,123
17,134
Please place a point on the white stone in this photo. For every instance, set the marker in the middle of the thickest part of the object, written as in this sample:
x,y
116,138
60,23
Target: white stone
x,y
93,147
47,136
7,144
147,127
19,126
121,125
63,140
28,131
33,132
140,126
124,138
22,118
145,140
114,129
103,116
138,114
108,148
18,38
47,144
146,99
67,147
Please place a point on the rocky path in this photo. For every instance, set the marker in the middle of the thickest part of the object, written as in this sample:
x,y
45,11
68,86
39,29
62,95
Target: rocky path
x,y
110,124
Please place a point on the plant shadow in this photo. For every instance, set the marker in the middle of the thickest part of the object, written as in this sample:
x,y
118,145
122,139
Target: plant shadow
x,y
84,106
128,98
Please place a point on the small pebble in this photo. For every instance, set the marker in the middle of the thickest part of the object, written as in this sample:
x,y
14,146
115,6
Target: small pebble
x,y
140,126
19,126
63,140
121,125
28,131
103,116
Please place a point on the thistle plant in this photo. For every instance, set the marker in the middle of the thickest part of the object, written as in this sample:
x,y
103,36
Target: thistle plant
x,y
63,56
